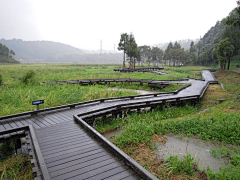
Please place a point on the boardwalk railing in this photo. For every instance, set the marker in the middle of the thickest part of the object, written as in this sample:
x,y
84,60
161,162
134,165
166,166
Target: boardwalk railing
x,y
115,150
93,102
136,105
33,145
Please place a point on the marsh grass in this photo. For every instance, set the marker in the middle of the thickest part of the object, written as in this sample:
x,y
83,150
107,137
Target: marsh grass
x,y
18,98
185,71
17,167
12,73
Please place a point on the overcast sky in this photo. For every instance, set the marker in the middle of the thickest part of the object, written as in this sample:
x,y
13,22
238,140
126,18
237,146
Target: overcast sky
x,y
83,23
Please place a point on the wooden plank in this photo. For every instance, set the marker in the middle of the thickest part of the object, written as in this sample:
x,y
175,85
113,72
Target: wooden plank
x,y
48,143
95,172
67,148
40,121
70,140
66,144
73,158
110,173
81,160
59,138
51,118
40,158
121,175
46,118
55,117
55,126
35,125
133,177
58,132
6,125
2,128
70,150
71,154
80,169
65,115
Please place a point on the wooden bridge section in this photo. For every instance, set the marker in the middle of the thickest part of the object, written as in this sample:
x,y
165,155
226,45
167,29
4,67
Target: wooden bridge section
x,y
64,146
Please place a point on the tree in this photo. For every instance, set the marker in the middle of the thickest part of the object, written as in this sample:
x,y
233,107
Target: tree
x,y
12,53
123,46
156,55
234,17
176,54
131,50
167,55
145,53
224,50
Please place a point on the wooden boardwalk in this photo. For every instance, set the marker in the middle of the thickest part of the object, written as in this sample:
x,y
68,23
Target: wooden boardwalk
x,y
70,152
71,149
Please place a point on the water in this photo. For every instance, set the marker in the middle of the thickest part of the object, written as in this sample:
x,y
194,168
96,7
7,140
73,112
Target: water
x,y
199,149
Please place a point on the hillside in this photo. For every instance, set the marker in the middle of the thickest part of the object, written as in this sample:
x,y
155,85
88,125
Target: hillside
x,y
184,44
204,49
6,55
39,51
54,52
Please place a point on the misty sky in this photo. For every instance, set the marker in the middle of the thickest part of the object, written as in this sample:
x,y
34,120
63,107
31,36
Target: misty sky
x,y
83,23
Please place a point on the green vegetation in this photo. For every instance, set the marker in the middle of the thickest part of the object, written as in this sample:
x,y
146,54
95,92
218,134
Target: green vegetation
x,y
24,85
224,50
219,123
28,77
6,150
176,55
185,165
20,97
17,167
6,55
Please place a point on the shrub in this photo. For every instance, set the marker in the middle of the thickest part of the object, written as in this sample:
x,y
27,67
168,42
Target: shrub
x,y
28,77
186,165
6,149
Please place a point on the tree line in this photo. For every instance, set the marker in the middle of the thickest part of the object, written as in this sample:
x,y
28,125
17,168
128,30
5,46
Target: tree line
x,y
174,55
219,45
6,55
4,51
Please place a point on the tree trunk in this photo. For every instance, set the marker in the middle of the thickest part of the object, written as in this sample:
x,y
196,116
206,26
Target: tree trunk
x,y
124,60
228,62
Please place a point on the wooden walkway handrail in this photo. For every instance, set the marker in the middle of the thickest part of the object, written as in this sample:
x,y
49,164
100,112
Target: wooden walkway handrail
x,y
133,164
91,102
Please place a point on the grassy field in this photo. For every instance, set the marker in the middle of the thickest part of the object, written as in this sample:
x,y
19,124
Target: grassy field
x,y
215,118
18,92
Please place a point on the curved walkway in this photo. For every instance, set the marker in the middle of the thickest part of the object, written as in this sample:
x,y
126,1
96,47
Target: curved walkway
x,y
71,149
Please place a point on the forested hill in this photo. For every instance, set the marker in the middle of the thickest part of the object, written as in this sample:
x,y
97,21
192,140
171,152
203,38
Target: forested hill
x,y
204,49
184,44
54,52
39,51
6,55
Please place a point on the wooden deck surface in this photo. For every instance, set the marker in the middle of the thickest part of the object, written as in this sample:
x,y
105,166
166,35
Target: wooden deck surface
x,y
71,153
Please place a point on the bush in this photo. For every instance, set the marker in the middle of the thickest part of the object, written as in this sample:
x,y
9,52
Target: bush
x,y
186,165
6,149
28,77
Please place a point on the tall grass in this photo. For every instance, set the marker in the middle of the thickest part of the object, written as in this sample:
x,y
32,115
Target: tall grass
x,y
18,98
